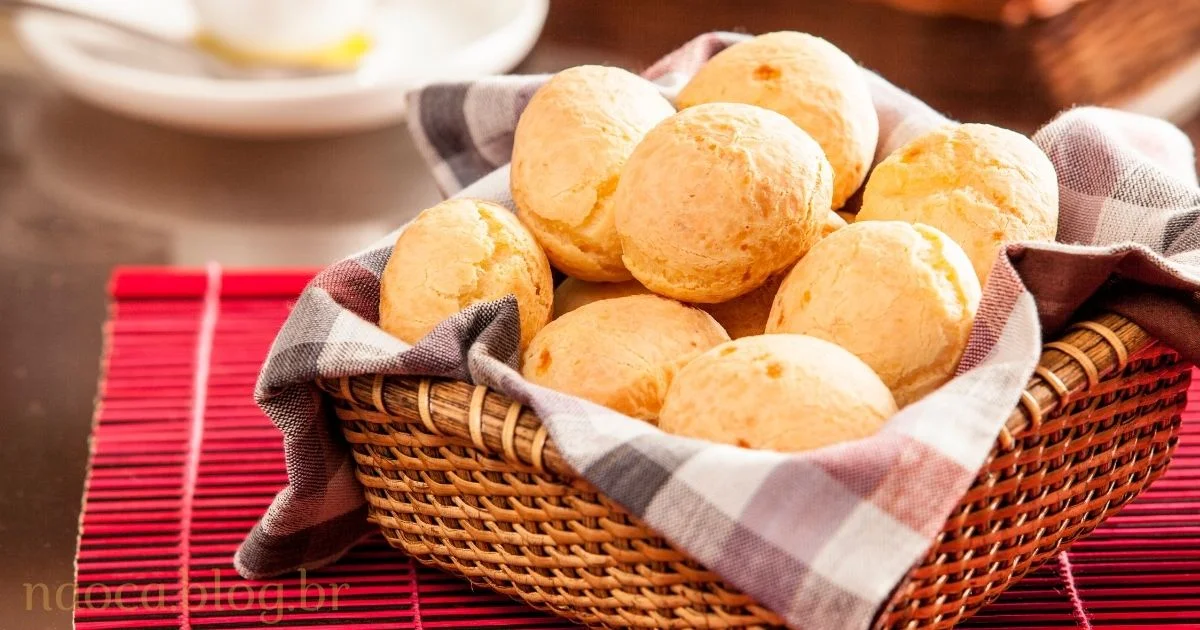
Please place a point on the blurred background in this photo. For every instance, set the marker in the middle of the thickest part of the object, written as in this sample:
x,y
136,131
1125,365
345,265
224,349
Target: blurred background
x,y
84,188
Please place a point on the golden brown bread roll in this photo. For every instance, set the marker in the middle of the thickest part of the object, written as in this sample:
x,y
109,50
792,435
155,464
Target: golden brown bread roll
x,y
571,142
982,185
808,80
902,297
718,198
621,353
455,254
573,293
740,317
778,392
833,222
746,315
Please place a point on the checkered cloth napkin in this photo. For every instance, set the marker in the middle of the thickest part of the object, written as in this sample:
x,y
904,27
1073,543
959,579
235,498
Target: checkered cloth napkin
x,y
820,537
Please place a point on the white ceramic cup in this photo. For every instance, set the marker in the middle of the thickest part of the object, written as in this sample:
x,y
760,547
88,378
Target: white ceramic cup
x,y
282,26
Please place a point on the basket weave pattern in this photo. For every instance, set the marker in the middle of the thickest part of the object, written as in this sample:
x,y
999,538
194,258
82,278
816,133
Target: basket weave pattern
x,y
467,480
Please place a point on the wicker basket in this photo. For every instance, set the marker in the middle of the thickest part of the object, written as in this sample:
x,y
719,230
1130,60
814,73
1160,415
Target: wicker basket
x,y
466,480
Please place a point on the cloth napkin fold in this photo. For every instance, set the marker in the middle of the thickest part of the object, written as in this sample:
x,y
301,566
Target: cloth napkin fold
x,y
821,537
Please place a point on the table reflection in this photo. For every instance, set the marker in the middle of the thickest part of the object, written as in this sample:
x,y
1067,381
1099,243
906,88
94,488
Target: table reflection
x,y
239,202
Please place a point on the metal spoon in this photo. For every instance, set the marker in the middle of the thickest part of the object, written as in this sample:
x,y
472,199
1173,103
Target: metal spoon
x,y
208,63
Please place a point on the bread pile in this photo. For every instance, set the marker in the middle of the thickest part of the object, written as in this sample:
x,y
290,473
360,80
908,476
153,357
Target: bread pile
x,y
715,284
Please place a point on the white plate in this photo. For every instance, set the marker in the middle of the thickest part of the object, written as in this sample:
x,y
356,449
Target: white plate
x,y
416,42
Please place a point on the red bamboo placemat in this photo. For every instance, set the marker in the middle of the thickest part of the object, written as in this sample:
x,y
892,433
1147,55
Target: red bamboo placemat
x,y
183,463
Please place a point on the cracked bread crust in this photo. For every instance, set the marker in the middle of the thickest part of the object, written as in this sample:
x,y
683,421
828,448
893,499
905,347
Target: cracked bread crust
x,y
901,297
807,79
982,185
455,254
718,198
780,392
571,143
621,353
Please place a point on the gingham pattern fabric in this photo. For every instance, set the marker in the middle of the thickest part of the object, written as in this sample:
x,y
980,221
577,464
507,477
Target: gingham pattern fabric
x,y
820,537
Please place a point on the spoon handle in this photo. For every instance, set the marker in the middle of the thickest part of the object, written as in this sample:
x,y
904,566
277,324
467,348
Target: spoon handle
x,y
212,64
116,25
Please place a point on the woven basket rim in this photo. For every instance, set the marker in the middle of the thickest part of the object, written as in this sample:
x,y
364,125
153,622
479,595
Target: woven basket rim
x,y
1088,349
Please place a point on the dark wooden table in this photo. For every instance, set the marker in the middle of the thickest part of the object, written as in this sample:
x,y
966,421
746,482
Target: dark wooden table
x,y
82,191
1137,54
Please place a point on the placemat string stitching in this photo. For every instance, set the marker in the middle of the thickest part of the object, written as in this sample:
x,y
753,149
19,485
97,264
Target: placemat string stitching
x,y
204,345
